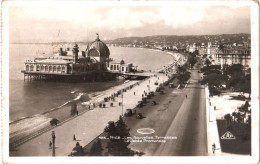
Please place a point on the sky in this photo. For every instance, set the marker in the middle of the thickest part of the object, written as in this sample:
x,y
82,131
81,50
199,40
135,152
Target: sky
x,y
53,23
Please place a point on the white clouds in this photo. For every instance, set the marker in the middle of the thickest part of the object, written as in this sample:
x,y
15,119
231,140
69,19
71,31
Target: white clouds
x,y
80,21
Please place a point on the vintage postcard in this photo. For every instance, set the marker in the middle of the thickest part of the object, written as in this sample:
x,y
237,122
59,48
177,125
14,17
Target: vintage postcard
x,y
130,82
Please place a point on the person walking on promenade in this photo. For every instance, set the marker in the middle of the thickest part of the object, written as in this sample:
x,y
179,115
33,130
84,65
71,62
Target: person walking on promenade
x,y
186,96
89,107
74,137
77,113
134,93
50,144
213,148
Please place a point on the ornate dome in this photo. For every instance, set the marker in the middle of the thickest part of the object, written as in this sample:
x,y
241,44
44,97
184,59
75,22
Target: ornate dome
x,y
100,46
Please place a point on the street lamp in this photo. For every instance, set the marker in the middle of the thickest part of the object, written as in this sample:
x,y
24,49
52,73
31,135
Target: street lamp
x,y
163,73
148,86
53,141
122,102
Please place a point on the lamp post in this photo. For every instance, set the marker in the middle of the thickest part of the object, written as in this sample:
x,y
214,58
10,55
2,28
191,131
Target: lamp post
x,y
163,73
122,103
53,143
148,86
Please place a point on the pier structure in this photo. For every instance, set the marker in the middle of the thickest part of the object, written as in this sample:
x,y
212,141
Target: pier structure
x,y
69,65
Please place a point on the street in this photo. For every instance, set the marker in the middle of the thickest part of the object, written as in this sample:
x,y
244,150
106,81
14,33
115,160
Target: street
x,y
184,118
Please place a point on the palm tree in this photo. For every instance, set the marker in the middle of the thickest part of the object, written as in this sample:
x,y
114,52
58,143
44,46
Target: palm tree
x,y
228,118
239,117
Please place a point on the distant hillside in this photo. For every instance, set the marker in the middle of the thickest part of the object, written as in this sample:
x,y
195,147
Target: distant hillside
x,y
224,38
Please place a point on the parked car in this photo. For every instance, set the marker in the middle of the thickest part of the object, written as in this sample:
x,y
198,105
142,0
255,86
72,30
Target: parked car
x,y
140,104
171,85
144,99
151,93
128,113
139,116
154,102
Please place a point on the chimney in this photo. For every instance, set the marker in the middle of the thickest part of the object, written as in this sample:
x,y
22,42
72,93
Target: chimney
x,y
75,53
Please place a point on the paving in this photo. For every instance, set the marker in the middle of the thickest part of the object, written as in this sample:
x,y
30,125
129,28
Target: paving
x,y
183,119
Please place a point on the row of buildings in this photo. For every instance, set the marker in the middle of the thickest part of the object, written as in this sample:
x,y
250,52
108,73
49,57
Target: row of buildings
x,y
225,53
220,50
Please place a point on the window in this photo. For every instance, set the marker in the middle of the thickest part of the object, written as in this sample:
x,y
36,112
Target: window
x,y
123,69
31,68
46,68
118,67
114,67
54,69
42,68
59,68
27,67
50,68
63,69
37,68
111,67
126,69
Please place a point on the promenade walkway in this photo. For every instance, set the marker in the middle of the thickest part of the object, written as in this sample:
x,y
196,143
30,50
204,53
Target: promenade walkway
x,y
86,126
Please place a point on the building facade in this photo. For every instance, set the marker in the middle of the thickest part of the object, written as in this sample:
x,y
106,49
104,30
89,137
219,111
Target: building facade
x,y
120,67
95,58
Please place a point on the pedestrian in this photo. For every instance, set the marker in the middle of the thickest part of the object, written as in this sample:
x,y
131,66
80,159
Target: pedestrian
x,y
50,144
134,93
77,113
89,107
213,148
186,96
94,105
74,137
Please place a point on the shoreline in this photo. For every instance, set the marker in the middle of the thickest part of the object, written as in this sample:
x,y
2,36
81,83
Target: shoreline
x,y
97,97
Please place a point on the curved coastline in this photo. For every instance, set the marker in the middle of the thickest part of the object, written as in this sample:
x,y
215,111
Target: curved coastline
x,y
42,120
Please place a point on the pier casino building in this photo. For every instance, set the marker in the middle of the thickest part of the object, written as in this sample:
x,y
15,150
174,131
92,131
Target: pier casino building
x,y
66,63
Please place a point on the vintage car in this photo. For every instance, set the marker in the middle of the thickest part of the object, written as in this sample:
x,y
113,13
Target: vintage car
x,y
154,102
139,116
140,104
171,85
128,113
144,99
151,93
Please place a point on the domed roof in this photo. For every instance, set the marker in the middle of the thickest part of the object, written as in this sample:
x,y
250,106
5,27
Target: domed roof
x,y
100,46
